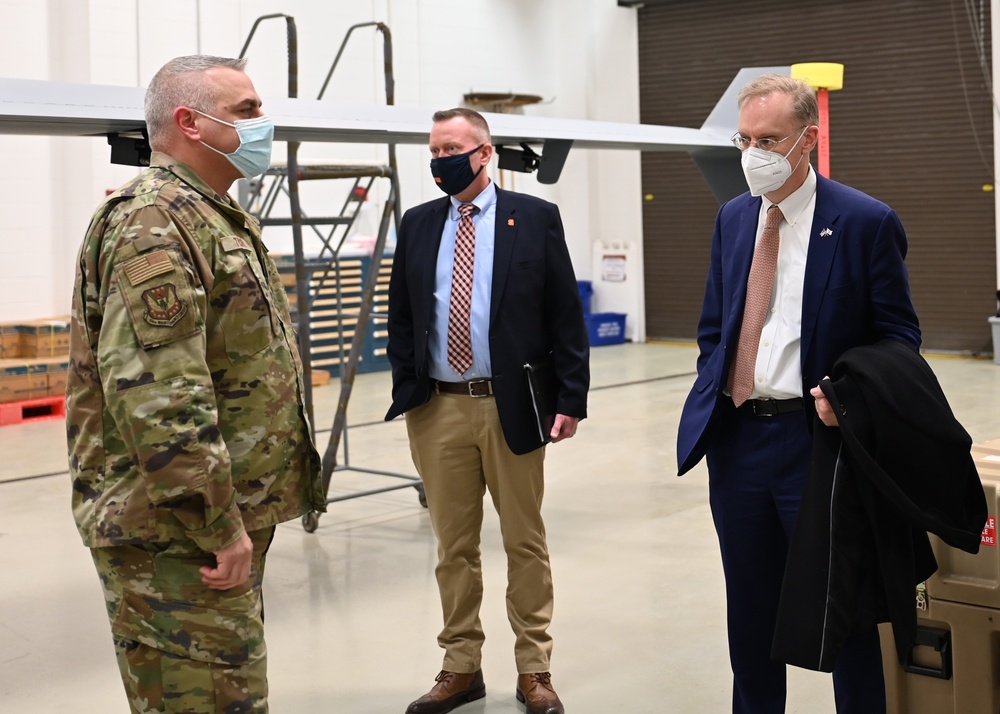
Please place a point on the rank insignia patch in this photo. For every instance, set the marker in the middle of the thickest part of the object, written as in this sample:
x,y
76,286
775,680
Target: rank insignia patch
x,y
163,307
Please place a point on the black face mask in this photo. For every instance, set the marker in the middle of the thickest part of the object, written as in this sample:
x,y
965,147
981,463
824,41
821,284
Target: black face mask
x,y
453,174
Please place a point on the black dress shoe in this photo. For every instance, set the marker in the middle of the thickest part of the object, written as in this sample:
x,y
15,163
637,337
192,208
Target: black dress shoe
x,y
453,689
536,692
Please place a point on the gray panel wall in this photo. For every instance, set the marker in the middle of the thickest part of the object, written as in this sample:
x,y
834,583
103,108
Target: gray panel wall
x,y
912,127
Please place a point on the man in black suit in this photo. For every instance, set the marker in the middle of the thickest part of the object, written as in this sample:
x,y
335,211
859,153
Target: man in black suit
x,y
482,284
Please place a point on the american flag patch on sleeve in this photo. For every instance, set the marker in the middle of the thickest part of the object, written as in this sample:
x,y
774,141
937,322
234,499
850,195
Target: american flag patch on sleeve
x,y
143,267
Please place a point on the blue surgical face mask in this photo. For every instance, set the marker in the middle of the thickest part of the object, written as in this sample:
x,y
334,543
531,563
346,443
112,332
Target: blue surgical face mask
x,y
253,156
453,174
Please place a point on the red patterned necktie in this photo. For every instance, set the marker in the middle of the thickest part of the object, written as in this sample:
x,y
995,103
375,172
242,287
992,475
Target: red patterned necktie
x,y
759,285
459,323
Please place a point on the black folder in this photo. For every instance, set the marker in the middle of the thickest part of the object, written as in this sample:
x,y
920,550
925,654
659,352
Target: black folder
x,y
541,381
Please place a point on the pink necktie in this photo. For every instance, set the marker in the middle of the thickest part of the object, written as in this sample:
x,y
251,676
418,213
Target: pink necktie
x,y
459,327
759,285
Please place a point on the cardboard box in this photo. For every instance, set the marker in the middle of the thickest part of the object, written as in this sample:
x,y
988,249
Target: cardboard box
x,y
33,339
44,338
56,369
10,340
22,379
12,380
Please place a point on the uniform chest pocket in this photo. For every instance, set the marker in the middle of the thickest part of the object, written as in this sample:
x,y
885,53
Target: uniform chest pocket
x,y
240,300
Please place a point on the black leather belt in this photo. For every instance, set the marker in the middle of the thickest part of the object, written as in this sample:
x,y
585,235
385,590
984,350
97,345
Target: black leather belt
x,y
472,388
773,407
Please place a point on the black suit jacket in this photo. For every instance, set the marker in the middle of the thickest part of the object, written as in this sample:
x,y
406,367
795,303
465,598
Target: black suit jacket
x,y
535,312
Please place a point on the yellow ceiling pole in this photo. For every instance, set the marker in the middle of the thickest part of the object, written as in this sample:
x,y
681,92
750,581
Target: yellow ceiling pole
x,y
824,77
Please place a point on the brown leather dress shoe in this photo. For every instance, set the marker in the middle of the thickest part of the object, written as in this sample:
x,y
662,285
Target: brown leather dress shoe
x,y
453,689
536,691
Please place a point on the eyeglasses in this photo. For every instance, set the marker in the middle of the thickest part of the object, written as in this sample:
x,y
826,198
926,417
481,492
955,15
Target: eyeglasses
x,y
767,144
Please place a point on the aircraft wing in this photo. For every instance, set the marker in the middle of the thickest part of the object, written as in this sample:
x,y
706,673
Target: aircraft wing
x,y
60,109
34,107
63,109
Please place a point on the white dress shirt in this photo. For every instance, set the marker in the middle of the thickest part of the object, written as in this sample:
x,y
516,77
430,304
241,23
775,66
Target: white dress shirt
x,y
778,370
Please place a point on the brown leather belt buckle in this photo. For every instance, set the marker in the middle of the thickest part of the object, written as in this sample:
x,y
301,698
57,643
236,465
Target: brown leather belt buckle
x,y
474,388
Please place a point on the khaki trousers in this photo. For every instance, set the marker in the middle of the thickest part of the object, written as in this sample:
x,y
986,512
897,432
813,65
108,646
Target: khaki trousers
x,y
182,647
460,452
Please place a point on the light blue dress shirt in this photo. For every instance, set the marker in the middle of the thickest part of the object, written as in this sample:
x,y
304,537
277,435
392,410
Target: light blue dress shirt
x,y
484,220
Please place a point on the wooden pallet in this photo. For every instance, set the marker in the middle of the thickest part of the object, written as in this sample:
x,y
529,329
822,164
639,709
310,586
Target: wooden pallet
x,y
32,410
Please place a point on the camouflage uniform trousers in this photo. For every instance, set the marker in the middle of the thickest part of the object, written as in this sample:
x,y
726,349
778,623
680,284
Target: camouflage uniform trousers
x,y
181,646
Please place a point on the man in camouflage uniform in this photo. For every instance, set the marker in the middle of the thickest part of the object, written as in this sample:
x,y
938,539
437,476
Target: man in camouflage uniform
x,y
187,435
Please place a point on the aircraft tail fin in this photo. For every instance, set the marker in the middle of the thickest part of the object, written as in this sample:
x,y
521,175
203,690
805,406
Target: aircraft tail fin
x,y
725,115
721,167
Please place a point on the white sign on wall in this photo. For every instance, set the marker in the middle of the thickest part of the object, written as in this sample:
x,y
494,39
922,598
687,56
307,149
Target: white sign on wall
x,y
615,290
613,268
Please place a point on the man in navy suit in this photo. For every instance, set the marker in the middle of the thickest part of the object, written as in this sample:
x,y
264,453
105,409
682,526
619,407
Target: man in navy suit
x,y
840,281
459,378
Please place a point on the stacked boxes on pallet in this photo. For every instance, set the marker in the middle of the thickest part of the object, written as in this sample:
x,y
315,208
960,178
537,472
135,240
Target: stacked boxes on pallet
x,y
955,667
336,300
34,358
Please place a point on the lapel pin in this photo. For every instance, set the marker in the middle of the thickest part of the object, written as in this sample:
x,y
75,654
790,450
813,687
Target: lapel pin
x,y
826,232
510,221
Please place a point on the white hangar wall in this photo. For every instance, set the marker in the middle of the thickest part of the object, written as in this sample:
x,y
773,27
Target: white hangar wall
x,y
578,55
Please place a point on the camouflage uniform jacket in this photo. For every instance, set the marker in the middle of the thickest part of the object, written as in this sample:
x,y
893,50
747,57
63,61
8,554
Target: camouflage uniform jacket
x,y
185,413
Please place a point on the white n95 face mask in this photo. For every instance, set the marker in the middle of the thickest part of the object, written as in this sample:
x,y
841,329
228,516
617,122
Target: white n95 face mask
x,y
767,171
253,156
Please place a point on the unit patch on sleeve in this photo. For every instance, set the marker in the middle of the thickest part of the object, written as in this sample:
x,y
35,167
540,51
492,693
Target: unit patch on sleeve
x,y
163,307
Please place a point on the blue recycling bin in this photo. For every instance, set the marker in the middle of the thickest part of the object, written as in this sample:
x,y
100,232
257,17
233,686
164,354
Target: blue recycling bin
x,y
605,328
586,289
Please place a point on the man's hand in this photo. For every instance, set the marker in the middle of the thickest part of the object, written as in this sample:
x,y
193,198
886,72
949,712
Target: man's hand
x,y
232,565
823,407
564,427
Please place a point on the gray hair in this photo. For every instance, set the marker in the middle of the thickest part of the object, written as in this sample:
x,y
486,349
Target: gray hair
x,y
180,83
804,106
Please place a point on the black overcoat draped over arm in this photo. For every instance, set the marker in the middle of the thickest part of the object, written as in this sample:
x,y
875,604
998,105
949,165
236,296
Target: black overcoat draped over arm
x,y
898,466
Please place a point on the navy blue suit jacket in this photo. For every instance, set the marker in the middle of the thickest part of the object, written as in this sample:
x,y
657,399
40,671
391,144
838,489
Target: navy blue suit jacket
x,y
535,312
856,292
